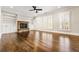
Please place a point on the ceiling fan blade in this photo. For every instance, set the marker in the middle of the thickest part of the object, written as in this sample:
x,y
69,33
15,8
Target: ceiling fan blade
x,y
31,10
34,7
39,9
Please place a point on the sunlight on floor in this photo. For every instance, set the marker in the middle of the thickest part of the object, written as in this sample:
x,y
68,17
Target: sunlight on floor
x,y
64,44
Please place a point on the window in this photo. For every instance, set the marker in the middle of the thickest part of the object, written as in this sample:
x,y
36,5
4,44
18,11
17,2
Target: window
x,y
56,22
64,18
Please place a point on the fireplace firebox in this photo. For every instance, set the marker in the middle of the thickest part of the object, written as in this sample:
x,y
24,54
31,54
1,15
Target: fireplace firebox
x,y
22,26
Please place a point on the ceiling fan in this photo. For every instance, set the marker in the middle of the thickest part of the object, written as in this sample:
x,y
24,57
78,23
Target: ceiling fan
x,y
35,9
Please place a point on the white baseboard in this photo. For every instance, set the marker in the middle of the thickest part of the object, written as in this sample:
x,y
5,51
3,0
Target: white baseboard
x,y
5,33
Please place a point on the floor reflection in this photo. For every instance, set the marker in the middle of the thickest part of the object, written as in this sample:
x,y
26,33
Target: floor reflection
x,y
38,41
64,43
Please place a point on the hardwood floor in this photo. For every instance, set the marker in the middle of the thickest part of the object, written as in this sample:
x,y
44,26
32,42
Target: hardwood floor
x,y
38,41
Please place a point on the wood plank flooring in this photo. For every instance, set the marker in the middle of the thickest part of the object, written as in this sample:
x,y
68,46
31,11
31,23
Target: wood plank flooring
x,y
37,41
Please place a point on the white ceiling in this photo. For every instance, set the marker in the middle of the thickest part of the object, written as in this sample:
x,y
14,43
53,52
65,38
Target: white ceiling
x,y
24,10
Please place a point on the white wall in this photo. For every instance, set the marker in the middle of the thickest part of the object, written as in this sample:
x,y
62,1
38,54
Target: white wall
x,y
75,20
8,24
0,23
